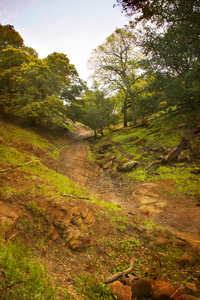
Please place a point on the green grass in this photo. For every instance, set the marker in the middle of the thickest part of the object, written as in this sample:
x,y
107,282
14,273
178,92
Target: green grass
x,y
92,289
23,276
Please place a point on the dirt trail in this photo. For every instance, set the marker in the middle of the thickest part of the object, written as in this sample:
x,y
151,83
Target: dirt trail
x,y
157,201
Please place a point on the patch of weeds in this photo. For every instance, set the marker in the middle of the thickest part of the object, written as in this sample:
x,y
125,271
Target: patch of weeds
x,y
126,245
92,289
150,224
118,221
137,175
90,154
35,209
6,190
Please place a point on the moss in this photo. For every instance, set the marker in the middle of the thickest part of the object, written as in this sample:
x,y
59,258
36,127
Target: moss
x,y
186,183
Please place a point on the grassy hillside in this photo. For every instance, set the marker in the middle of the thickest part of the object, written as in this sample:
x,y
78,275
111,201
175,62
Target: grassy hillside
x,y
62,247
152,142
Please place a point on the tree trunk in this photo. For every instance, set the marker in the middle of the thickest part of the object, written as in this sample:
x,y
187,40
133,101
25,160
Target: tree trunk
x,y
95,134
102,131
125,117
133,109
173,155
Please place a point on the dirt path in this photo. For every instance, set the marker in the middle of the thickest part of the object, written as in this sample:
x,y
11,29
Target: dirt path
x,y
157,201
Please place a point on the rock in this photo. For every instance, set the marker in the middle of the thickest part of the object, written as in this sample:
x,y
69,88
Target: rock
x,y
75,244
163,290
186,260
163,241
186,297
151,246
108,165
128,166
105,148
191,286
122,292
89,219
53,234
195,171
84,212
141,287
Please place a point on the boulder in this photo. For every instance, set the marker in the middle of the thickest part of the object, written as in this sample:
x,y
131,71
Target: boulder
x,y
122,292
128,166
141,287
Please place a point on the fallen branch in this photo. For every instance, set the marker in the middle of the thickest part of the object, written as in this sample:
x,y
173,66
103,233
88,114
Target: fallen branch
x,y
173,155
19,166
75,196
117,275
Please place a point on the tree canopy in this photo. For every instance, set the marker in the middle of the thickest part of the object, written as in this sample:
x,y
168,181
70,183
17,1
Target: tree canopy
x,y
115,66
31,88
169,38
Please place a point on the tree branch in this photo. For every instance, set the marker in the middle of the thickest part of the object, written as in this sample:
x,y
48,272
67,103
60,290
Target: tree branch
x,y
117,275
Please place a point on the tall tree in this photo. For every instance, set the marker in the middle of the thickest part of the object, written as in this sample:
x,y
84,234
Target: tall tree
x,y
114,63
10,37
170,39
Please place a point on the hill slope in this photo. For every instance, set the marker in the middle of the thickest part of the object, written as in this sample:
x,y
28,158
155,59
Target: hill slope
x,y
78,232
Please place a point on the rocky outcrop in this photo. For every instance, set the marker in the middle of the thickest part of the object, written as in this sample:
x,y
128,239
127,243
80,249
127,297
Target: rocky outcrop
x,y
71,225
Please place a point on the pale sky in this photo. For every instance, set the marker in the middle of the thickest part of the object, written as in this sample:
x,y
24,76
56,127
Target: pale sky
x,y
74,27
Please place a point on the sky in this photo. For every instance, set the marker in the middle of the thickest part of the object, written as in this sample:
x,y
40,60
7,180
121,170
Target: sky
x,y
74,27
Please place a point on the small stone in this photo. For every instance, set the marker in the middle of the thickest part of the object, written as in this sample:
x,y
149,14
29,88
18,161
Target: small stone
x,y
84,212
186,260
163,290
108,165
151,246
163,241
181,242
75,244
89,218
122,292
191,286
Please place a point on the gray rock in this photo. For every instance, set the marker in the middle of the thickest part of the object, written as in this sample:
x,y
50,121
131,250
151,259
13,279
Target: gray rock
x,y
128,166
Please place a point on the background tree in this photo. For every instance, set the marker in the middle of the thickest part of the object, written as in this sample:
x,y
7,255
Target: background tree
x,y
170,39
114,63
31,88
99,111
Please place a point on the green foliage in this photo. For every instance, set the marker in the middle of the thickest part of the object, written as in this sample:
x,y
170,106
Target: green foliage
x,y
115,65
50,111
10,37
31,88
99,110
